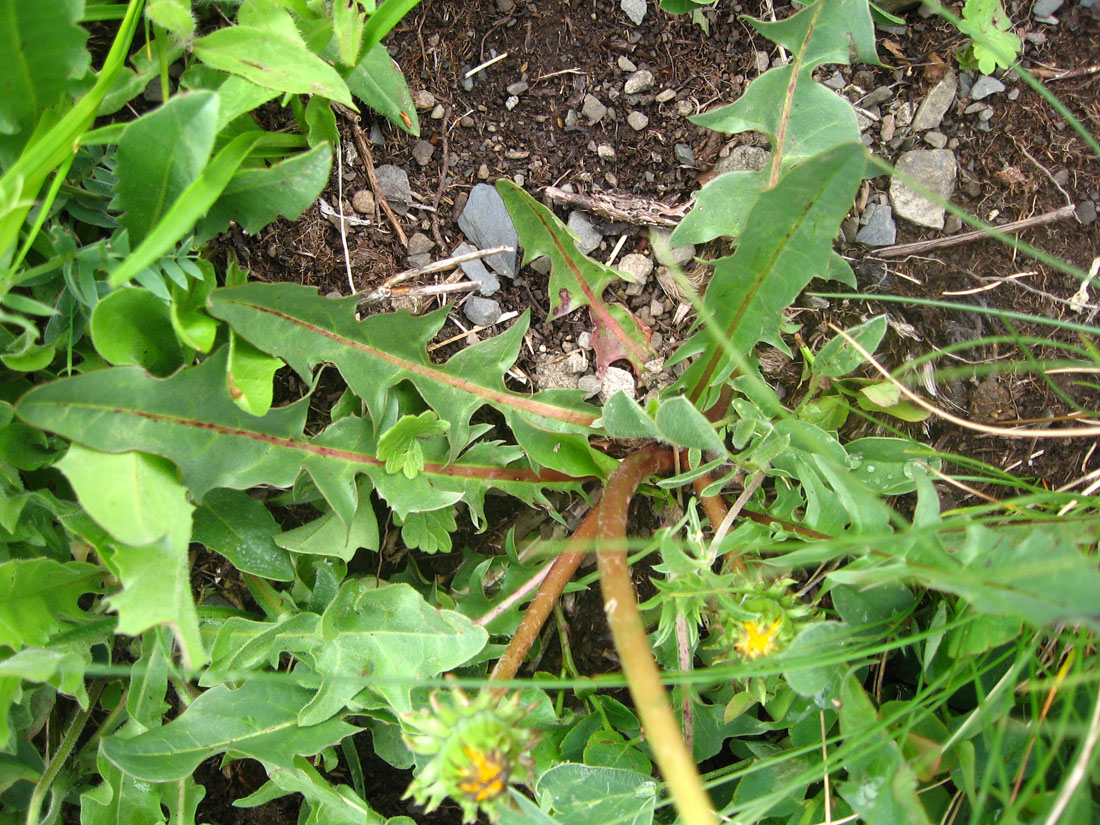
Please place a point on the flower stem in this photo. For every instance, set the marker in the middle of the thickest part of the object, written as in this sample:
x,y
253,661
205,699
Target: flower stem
x,y
675,761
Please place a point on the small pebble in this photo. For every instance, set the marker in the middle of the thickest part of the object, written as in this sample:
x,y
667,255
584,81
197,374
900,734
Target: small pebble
x,y
637,121
593,109
665,95
467,122
637,266
423,100
483,172
438,112
1086,213
422,152
482,311
518,88
985,86
626,64
605,151
614,380
420,244
590,384
937,140
511,103
685,108
640,81
363,202
584,340
684,155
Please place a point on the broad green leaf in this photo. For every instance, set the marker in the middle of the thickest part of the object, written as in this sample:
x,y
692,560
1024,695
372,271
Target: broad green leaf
x,y
882,464
236,96
610,749
133,326
575,280
378,82
240,528
256,197
273,60
581,795
379,352
159,155
331,805
385,639
38,595
787,241
880,785
383,19
138,499
257,720
400,446
819,118
44,57
192,325
828,31
145,700
120,798
676,421
721,208
838,357
820,639
250,375
328,536
243,645
192,203
173,15
872,605
62,667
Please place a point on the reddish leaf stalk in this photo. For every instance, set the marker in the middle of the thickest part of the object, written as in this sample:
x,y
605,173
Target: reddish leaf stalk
x,y
676,763
550,591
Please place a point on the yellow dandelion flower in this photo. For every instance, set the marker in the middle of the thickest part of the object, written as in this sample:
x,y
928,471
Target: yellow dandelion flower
x,y
486,777
758,639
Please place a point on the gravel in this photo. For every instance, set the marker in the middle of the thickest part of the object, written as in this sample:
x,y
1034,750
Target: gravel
x,y
936,103
593,109
985,86
880,229
394,183
640,81
588,237
485,222
482,311
933,169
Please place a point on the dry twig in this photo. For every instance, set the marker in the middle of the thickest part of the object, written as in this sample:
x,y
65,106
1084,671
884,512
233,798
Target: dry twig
x,y
917,247
368,163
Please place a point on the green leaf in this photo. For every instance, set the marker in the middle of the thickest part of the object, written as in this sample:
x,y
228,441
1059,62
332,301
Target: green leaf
x,y
400,446
347,25
133,326
609,749
880,786
240,528
138,499
838,357
257,720
331,805
817,640
192,203
243,645
994,46
329,536
787,240
385,639
429,531
38,595
45,56
273,60
256,197
820,119
873,605
382,350
384,18
882,464
575,280
721,208
159,155
119,798
378,82
828,31
581,795
173,15
250,376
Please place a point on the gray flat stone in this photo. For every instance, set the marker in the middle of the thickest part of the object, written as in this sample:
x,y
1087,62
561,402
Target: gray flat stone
x,y
482,311
637,121
420,244
634,9
933,169
590,384
486,222
422,152
588,237
1043,9
593,109
936,103
640,81
880,229
742,159
476,270
985,86
684,155
1086,213
394,183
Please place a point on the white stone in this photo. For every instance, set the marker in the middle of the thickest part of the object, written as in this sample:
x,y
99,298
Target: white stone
x,y
634,9
640,81
614,380
637,266
637,121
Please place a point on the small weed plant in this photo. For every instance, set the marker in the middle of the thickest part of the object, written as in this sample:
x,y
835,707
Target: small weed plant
x,y
839,645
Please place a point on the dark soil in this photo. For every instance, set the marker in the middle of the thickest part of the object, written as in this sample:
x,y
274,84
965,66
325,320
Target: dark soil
x,y
1027,163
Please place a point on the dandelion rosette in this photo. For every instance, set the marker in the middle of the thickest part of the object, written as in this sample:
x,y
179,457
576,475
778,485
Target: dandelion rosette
x,y
474,747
